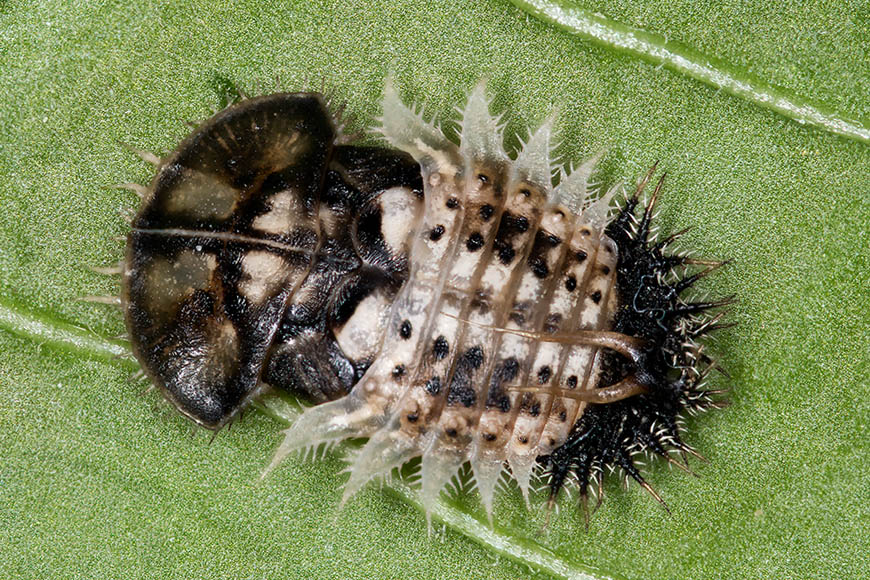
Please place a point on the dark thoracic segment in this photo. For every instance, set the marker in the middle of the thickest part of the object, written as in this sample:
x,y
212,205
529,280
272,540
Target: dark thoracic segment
x,y
258,237
650,307
306,359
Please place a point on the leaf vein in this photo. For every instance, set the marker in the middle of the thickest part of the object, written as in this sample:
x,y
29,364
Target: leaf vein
x,y
688,61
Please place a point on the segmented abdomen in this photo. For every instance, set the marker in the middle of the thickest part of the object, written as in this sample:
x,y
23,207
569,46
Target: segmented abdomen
x,y
465,371
442,300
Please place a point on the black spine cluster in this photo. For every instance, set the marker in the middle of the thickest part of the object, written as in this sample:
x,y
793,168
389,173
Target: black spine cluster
x,y
673,368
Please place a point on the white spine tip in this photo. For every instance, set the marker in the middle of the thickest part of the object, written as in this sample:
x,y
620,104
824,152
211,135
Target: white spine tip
x,y
110,300
136,188
148,157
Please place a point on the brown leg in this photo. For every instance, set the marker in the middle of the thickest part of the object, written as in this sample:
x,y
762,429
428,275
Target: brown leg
x,y
628,346
627,387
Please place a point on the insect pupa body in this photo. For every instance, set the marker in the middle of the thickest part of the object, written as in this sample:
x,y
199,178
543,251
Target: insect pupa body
x,y
256,241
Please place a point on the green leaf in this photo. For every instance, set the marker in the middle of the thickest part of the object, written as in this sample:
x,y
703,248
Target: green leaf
x,y
95,483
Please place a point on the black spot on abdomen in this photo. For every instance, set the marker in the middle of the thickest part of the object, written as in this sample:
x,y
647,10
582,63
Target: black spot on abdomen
x,y
462,384
504,372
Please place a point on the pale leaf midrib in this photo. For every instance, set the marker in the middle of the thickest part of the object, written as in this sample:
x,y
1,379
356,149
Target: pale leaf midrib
x,y
689,62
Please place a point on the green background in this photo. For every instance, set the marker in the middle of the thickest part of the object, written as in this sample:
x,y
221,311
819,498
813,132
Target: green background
x,y
94,483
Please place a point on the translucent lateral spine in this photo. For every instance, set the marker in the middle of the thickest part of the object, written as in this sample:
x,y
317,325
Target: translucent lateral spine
x,y
533,161
481,137
142,191
350,416
487,471
439,467
573,187
108,300
387,449
598,212
406,129
144,155
115,270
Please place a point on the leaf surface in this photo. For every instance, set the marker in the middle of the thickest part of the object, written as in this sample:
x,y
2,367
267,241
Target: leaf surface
x,y
95,483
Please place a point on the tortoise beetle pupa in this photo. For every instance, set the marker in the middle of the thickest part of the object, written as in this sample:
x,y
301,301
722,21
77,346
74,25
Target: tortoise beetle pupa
x,y
442,300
